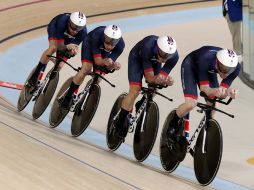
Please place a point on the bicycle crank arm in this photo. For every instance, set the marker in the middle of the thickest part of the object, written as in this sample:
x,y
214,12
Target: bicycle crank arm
x,y
191,151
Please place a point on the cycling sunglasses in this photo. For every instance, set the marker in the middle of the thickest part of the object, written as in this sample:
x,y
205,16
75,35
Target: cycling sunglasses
x,y
110,41
74,27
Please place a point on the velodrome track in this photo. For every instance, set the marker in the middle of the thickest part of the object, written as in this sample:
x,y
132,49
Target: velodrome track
x,y
34,156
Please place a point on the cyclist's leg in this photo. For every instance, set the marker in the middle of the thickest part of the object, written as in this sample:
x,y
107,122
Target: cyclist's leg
x,y
189,85
77,81
135,74
87,64
42,63
156,69
126,107
187,125
181,111
60,66
213,84
53,46
188,105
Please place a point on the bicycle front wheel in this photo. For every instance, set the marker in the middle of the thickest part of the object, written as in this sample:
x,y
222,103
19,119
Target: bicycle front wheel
x,y
46,95
25,95
112,141
168,160
82,118
146,132
208,153
57,113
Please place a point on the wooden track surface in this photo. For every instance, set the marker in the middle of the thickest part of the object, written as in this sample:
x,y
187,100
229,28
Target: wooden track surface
x,y
26,17
33,156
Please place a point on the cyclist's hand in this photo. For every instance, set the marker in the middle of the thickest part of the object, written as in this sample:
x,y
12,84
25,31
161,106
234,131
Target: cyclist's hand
x,y
232,92
108,62
164,80
160,79
72,49
221,92
169,81
116,65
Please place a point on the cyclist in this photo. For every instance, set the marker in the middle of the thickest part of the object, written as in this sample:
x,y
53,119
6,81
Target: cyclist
x,y
146,59
102,47
65,32
200,68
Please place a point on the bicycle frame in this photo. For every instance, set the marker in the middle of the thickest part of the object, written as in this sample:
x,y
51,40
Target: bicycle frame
x,y
41,87
149,94
43,84
204,121
85,91
132,120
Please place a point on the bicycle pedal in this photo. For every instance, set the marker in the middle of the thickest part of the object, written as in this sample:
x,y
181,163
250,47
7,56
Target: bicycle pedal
x,y
131,129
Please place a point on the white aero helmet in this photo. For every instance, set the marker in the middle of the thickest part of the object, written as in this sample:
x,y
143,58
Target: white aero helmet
x,y
166,46
227,61
112,35
77,21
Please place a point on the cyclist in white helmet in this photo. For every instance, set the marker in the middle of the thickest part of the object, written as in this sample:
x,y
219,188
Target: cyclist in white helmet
x,y
102,47
65,33
145,60
199,70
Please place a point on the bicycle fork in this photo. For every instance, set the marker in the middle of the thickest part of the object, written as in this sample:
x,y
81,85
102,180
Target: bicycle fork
x,y
191,149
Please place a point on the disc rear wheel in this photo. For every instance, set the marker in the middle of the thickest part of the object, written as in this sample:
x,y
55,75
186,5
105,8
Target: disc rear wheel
x,y
114,142
26,94
168,161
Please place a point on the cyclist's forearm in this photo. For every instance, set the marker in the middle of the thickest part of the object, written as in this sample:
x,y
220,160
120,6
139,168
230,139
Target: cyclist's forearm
x,y
99,61
150,78
209,91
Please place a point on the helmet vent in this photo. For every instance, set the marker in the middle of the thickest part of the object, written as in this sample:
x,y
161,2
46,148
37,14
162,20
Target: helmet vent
x,y
80,15
114,27
170,40
231,53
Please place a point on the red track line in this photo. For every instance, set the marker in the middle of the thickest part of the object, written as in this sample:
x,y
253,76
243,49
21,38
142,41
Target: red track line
x,y
11,85
21,5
